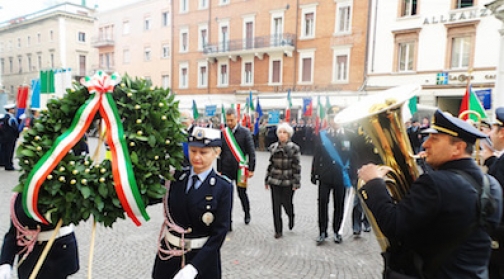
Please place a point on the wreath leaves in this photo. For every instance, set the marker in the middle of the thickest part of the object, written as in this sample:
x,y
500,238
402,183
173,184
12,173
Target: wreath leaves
x,y
78,187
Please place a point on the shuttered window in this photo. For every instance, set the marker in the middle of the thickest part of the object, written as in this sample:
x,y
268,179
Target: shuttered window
x,y
307,69
275,78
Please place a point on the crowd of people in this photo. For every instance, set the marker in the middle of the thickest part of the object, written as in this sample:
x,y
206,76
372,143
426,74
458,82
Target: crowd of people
x,y
449,225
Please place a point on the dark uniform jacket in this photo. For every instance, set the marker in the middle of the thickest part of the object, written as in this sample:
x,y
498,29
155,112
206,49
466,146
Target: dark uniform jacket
x,y
299,134
440,206
227,163
62,260
10,129
213,196
364,151
284,167
496,169
324,168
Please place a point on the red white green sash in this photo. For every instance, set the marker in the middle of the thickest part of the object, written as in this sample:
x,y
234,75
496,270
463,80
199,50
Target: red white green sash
x,y
238,154
124,179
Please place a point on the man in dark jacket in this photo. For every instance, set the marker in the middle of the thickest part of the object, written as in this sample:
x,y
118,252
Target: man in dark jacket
x,y
436,231
228,163
363,152
10,136
495,163
333,168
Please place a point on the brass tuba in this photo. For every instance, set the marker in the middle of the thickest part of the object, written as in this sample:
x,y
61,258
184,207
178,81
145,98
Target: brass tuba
x,y
381,118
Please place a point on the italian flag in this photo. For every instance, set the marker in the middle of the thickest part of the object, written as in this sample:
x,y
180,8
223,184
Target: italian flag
x,y
195,110
320,116
471,102
222,117
327,107
47,82
289,106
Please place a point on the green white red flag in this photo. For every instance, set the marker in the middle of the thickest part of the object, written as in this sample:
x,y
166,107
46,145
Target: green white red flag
x,y
320,117
222,117
471,102
195,110
289,107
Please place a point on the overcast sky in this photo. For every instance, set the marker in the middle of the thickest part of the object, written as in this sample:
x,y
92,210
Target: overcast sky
x,y
14,8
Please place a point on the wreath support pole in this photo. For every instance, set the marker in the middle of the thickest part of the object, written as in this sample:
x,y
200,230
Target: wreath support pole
x,y
48,246
91,250
101,140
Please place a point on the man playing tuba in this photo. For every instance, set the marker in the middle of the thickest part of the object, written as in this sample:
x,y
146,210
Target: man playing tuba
x,y
436,230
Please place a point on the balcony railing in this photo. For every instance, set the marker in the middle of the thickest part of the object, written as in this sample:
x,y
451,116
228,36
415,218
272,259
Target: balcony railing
x,y
102,41
108,69
281,41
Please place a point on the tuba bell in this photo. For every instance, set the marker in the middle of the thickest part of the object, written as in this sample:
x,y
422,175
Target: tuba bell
x,y
381,119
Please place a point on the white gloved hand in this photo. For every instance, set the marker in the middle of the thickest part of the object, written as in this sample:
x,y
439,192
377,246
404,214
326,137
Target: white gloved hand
x,y
5,271
188,272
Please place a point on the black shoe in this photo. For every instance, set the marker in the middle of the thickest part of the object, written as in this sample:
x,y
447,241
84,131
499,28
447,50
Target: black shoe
x,y
230,228
337,238
356,233
367,229
321,238
247,219
278,235
10,169
291,223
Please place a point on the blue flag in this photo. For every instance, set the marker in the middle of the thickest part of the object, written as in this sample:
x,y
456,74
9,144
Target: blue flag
x,y
259,111
35,99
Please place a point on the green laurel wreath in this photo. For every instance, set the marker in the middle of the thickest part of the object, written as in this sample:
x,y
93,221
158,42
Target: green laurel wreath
x,y
78,187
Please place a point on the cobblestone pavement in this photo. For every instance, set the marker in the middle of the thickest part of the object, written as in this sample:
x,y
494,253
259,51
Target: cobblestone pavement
x,y
250,251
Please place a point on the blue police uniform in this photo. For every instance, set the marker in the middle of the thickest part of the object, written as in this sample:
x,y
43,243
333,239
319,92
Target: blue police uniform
x,y
440,215
11,133
62,260
203,213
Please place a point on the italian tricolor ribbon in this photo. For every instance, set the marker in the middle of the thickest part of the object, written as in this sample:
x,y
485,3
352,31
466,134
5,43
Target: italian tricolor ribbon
x,y
124,179
241,179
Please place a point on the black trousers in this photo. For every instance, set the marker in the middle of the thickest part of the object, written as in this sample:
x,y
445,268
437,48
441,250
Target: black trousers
x,y
242,194
338,192
2,157
281,196
8,153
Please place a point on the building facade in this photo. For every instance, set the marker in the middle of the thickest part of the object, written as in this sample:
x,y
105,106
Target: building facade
x,y
225,49
136,40
442,45
57,37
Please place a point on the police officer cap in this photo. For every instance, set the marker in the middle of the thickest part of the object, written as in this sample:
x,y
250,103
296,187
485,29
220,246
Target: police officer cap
x,y
446,124
484,123
10,106
205,137
499,117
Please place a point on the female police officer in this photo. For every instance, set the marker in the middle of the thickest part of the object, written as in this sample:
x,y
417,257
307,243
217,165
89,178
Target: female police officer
x,y
197,214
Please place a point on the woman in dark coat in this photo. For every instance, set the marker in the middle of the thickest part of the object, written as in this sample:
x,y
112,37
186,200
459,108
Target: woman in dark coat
x,y
283,176
198,214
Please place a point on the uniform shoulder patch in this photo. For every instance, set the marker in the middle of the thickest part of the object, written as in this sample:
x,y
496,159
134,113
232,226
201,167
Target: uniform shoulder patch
x,y
181,174
224,178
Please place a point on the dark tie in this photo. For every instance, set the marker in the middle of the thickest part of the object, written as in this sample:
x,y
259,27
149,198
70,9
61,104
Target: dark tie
x,y
195,178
